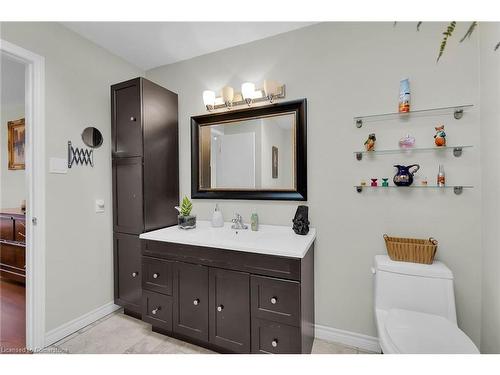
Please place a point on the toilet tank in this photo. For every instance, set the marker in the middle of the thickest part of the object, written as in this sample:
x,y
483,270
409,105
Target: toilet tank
x,y
426,288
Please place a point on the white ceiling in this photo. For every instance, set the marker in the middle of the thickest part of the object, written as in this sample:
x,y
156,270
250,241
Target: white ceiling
x,y
151,44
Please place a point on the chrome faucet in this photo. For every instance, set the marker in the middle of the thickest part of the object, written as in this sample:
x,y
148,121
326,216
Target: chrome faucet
x,y
238,222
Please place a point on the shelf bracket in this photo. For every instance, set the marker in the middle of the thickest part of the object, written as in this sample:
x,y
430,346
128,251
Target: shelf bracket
x,y
359,123
359,155
458,190
458,114
457,152
359,188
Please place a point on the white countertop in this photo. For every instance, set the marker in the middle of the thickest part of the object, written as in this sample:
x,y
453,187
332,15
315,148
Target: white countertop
x,y
269,239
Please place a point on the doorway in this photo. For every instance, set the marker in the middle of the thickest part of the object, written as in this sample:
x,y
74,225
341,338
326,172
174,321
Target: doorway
x,y
22,201
12,206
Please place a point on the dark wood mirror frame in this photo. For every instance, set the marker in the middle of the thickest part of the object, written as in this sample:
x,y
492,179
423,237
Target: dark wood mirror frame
x,y
298,194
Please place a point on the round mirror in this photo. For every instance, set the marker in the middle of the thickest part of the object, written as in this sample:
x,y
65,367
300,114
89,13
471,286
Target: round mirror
x,y
92,137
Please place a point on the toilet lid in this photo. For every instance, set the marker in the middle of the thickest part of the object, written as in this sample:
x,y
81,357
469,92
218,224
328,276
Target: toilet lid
x,y
420,333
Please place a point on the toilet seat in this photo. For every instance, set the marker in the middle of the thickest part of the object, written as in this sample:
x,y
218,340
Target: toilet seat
x,y
413,332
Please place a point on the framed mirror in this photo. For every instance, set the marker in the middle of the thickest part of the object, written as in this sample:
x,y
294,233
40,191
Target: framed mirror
x,y
92,137
252,153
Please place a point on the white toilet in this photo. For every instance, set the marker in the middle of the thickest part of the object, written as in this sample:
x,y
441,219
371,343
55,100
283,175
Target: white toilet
x,y
415,309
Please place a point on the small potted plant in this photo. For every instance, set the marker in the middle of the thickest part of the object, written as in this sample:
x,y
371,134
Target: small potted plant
x,y
185,219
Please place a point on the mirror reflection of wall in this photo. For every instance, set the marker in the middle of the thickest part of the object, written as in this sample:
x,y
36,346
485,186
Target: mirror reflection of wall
x,y
254,154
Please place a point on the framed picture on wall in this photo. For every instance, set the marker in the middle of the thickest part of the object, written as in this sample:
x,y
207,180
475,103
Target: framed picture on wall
x,y
16,140
275,162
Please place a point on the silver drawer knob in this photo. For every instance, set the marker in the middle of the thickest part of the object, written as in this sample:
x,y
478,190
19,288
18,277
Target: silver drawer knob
x,y
220,308
196,302
134,274
156,275
274,343
155,311
274,300
132,118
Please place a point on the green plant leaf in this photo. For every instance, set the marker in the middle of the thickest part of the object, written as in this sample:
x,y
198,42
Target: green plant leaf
x,y
186,206
469,32
449,32
418,25
497,46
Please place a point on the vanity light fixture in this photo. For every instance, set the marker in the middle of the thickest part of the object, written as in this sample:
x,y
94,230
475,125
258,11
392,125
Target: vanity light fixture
x,y
209,99
271,91
228,96
248,92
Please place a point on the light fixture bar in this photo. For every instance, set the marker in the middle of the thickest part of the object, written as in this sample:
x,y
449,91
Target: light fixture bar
x,y
260,96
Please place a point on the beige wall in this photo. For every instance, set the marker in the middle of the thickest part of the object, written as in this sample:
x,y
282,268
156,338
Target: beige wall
x,y
490,135
78,75
344,70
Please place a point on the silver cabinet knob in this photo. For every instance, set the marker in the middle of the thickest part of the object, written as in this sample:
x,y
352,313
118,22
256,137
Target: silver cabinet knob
x,y
196,302
156,275
132,118
220,308
155,311
274,300
134,274
274,343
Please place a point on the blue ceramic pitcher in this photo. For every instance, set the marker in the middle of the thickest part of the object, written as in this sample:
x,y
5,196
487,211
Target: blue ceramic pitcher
x,y
404,177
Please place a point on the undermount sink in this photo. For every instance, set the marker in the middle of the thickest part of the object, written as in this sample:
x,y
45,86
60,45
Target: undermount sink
x,y
269,239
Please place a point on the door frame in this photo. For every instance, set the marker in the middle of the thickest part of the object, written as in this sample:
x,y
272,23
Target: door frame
x,y
35,191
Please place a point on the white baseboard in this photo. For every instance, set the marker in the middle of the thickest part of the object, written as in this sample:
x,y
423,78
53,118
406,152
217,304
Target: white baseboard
x,y
76,324
357,340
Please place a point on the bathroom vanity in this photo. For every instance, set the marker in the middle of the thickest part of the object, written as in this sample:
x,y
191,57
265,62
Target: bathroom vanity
x,y
229,290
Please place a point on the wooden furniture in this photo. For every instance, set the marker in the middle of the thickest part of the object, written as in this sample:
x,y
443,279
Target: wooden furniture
x,y
229,301
13,244
145,177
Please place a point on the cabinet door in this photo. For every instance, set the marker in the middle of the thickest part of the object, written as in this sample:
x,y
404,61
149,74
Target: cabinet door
x,y
230,310
127,262
191,300
128,214
126,119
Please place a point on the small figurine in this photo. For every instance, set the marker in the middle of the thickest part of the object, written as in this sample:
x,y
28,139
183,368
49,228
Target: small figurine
x,y
370,142
424,181
301,220
385,182
440,137
374,182
407,142
363,183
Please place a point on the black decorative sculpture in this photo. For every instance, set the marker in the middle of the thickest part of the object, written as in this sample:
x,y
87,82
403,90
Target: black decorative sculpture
x,y
301,220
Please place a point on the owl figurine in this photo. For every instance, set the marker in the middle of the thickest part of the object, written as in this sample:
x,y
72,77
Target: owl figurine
x,y
370,142
440,136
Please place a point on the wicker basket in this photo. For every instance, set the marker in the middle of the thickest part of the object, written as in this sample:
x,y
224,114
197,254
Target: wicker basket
x,y
411,249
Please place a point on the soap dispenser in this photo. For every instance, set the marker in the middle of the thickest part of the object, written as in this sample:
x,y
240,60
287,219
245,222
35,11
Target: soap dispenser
x,y
217,219
254,220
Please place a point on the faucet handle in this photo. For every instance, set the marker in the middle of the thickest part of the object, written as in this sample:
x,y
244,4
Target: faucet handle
x,y
237,217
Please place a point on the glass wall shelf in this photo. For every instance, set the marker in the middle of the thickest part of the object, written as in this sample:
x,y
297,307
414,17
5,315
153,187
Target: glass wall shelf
x,y
457,189
456,111
457,150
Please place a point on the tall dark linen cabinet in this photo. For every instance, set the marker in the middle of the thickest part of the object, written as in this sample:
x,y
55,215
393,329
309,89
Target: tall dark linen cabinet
x,y
145,153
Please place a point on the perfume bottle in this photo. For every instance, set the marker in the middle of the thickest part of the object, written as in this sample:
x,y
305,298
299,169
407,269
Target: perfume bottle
x,y
441,178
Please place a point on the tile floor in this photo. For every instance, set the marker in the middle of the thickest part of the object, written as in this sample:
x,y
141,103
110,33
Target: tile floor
x,y
118,333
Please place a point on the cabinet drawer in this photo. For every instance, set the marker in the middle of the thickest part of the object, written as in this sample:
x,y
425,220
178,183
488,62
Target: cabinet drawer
x,y
157,275
20,230
275,299
157,310
13,256
275,338
6,228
